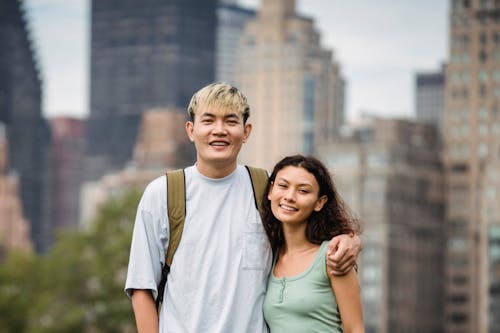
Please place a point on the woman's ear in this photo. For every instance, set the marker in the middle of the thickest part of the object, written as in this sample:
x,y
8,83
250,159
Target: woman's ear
x,y
320,203
270,190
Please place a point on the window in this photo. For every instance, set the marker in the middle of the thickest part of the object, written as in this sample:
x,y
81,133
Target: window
x,y
483,130
482,149
457,298
458,262
377,159
457,318
458,244
482,38
459,280
483,75
482,90
483,56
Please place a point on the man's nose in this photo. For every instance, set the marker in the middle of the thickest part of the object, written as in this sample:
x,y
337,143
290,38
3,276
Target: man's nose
x,y
220,128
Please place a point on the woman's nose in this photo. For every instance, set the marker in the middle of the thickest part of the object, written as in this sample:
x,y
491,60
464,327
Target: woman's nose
x,y
290,195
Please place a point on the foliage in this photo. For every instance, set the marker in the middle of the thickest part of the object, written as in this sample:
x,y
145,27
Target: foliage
x,y
78,285
18,284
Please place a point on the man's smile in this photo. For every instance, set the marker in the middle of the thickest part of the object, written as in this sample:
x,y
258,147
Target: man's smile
x,y
219,143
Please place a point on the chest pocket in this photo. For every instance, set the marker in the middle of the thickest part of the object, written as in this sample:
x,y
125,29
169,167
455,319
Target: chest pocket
x,y
256,249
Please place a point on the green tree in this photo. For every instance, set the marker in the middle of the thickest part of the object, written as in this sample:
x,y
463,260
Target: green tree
x,y
18,288
78,285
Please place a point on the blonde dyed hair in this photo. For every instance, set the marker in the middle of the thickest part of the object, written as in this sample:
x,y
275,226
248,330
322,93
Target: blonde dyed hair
x,y
220,95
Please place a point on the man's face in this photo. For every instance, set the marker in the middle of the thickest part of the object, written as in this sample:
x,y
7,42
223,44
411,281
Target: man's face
x,y
218,135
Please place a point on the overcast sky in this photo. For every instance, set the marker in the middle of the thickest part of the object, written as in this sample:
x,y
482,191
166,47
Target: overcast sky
x,y
380,45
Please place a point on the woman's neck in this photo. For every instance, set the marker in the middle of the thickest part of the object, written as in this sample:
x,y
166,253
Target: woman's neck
x,y
296,240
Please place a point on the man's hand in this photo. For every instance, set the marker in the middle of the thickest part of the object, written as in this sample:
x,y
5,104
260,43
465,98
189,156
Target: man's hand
x,y
343,251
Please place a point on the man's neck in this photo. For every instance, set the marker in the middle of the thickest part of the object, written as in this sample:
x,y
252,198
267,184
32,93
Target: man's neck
x,y
216,171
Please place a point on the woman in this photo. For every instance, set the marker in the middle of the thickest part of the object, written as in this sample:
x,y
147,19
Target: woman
x,y
302,211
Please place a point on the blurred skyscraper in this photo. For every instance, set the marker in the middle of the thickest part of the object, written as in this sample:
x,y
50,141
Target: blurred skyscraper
x,y
20,110
68,143
231,20
162,144
389,173
228,2
490,213
429,97
472,133
144,54
14,229
293,84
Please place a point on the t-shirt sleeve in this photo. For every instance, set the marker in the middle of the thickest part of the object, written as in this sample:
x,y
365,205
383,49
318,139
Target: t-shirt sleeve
x,y
149,240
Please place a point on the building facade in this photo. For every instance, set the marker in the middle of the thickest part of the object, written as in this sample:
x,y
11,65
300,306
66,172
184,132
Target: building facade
x,y
390,175
14,228
294,86
144,54
20,111
471,129
490,230
231,21
429,97
162,144
68,148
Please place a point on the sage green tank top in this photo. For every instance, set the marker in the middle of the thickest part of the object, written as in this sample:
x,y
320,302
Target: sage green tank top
x,y
302,303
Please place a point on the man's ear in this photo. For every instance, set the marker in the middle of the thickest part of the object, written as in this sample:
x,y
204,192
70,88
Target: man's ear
x,y
189,130
246,132
320,203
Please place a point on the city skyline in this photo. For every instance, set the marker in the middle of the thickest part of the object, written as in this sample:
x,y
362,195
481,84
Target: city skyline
x,y
380,47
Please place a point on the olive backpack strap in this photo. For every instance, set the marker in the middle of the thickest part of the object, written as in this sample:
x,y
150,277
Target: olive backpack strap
x,y
176,207
259,178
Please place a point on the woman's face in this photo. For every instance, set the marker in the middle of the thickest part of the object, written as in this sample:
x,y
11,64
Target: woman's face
x,y
294,195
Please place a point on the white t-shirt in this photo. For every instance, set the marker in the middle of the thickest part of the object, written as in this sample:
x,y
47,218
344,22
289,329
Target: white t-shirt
x,y
218,276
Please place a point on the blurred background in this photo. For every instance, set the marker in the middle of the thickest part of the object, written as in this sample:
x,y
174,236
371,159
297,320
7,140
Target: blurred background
x,y
399,98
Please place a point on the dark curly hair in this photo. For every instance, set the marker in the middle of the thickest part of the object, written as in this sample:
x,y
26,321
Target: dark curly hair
x,y
334,219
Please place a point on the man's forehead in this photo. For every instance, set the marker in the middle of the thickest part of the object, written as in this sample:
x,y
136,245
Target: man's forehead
x,y
214,111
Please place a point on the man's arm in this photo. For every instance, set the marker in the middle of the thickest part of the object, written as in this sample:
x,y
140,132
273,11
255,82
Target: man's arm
x,y
149,240
144,306
343,251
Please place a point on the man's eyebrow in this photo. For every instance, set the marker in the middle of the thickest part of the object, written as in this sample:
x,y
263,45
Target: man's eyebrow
x,y
212,115
232,115
207,114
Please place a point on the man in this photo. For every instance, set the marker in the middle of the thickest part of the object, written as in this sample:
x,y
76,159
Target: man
x,y
219,273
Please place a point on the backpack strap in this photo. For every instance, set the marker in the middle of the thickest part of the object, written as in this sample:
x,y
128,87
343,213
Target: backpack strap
x,y
259,178
176,208
176,198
